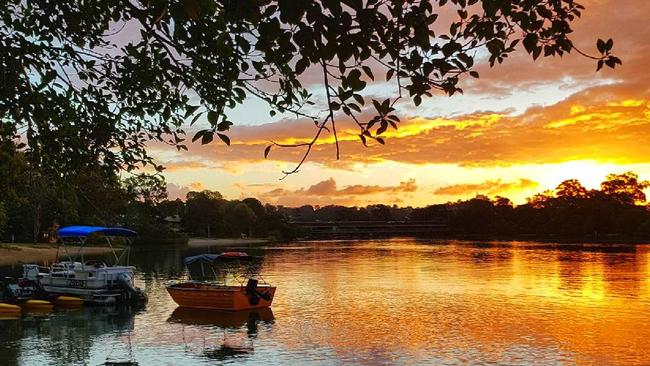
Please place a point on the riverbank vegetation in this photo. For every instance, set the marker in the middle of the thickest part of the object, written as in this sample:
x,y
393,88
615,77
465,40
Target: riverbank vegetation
x,y
37,201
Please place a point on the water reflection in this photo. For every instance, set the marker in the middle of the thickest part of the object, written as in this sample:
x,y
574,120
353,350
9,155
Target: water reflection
x,y
382,302
223,319
65,335
207,322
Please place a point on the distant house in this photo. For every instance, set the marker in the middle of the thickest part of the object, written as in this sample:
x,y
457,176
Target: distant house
x,y
174,222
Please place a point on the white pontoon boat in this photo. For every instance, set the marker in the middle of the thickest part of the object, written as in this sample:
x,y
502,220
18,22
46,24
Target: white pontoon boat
x,y
93,281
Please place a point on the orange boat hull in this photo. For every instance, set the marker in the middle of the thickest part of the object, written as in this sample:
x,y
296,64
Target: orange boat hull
x,y
205,296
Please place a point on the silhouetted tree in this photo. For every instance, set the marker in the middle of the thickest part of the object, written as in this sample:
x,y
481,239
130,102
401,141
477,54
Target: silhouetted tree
x,y
571,188
204,213
540,200
502,202
242,218
625,188
147,188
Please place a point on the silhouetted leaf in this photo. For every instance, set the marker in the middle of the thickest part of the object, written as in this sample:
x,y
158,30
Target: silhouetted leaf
x,y
213,117
207,137
224,138
198,135
190,110
363,139
224,126
368,72
389,74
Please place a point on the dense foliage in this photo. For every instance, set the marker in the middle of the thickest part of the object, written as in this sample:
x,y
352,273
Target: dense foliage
x,y
208,214
87,83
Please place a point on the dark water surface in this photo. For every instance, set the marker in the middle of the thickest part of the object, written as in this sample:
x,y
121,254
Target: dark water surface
x,y
374,302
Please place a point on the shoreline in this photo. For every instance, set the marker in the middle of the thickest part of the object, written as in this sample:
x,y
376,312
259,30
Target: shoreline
x,y
38,253
227,242
495,239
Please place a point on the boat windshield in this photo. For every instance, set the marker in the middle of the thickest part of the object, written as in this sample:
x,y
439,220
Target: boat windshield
x,y
223,267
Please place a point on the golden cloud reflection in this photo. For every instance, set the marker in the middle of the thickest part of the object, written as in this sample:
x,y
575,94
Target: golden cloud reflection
x,y
423,302
486,303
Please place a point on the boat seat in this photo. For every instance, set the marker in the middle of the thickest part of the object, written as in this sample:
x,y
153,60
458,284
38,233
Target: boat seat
x,y
23,282
96,264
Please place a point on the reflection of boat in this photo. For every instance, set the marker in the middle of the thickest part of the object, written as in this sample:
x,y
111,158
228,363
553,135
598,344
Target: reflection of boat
x,y
67,337
221,296
92,281
38,305
230,322
220,318
225,352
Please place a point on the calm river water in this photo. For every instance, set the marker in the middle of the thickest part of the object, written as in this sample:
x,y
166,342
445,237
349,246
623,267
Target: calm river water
x,y
383,302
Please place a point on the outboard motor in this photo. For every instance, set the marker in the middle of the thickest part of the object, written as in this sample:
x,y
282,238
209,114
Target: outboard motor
x,y
253,295
251,291
133,294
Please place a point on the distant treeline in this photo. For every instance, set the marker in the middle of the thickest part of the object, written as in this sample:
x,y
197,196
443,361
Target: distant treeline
x,y
616,211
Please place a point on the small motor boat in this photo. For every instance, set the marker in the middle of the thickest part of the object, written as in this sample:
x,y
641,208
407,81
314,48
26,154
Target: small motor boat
x,y
221,295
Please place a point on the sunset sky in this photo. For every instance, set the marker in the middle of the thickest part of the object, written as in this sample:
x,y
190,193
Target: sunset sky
x,y
521,128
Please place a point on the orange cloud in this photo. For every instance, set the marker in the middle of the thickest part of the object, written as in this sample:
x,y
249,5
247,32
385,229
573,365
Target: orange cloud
x,y
605,123
182,164
489,187
197,186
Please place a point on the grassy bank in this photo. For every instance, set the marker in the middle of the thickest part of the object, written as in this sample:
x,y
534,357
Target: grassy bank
x,y
38,253
234,242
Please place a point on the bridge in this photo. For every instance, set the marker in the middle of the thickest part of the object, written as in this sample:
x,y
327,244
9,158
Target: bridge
x,y
371,229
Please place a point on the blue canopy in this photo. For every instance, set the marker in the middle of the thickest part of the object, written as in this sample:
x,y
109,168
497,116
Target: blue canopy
x,y
84,231
211,258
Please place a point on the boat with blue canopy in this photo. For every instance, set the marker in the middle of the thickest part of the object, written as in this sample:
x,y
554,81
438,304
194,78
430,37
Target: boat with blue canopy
x,y
92,281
